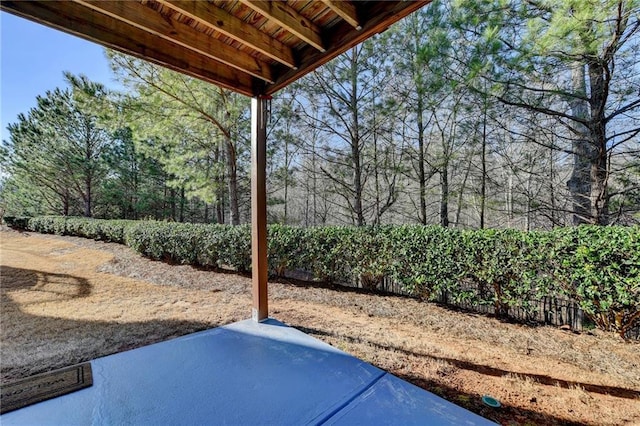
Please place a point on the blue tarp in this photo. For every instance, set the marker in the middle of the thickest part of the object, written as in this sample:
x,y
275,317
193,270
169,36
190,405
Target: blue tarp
x,y
240,374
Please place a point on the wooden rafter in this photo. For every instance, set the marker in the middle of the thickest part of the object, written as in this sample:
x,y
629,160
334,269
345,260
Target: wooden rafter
x,y
346,10
119,35
287,17
256,48
235,28
377,17
145,18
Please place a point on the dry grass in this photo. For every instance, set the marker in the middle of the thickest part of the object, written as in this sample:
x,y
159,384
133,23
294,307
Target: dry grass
x,y
66,300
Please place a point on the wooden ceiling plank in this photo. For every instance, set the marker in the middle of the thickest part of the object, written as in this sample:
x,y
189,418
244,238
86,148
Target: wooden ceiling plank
x,y
76,19
146,19
377,18
235,28
289,19
346,10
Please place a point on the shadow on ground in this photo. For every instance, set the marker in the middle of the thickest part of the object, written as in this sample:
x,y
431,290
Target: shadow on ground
x,y
506,414
55,342
473,402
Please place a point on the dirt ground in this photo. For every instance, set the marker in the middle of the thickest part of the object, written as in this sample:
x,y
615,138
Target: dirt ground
x,y
66,300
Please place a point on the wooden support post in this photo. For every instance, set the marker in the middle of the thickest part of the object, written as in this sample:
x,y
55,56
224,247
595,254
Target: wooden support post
x,y
260,310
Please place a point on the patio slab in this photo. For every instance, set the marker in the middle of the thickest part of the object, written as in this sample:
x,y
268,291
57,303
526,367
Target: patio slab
x,y
243,373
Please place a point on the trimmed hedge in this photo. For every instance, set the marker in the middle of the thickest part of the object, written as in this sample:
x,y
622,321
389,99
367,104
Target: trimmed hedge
x,y
194,244
599,267
17,222
97,229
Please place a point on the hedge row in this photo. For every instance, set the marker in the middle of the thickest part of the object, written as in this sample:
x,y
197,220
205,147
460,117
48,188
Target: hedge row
x,y
599,267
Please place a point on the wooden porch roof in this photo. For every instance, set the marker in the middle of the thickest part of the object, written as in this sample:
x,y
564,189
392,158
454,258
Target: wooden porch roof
x,y
248,46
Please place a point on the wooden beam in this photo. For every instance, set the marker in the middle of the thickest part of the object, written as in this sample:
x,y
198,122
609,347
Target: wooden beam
x,y
375,18
145,18
260,310
346,10
287,17
78,20
235,28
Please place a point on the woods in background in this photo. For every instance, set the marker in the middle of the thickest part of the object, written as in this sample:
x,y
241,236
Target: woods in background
x,y
470,114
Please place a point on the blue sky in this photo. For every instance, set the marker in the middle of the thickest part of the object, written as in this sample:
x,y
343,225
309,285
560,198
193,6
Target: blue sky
x,y
32,60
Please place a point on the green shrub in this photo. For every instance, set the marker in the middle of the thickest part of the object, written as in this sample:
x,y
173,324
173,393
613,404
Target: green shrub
x,y
508,269
427,260
46,224
97,229
114,230
147,238
17,222
599,267
211,245
236,251
286,249
327,254
370,255
194,244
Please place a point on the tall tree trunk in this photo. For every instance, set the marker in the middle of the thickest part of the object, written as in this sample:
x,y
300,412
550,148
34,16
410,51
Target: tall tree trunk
x,y
182,202
444,197
529,202
378,213
598,168
357,182
135,195
88,175
163,212
461,193
306,206
286,178
355,142
483,181
422,180
232,180
173,204
220,184
65,203
87,167
88,195
314,178
580,182
219,211
509,198
552,194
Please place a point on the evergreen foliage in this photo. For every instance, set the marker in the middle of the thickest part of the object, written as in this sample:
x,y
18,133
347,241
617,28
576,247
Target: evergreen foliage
x,y
599,267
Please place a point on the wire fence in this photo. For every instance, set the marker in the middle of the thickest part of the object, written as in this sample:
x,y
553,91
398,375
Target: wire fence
x,y
553,310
